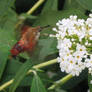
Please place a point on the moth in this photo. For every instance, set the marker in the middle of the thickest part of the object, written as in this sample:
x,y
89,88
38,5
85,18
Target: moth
x,y
28,40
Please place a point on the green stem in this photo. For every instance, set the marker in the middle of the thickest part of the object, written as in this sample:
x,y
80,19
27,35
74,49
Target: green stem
x,y
6,84
50,62
35,7
60,82
31,11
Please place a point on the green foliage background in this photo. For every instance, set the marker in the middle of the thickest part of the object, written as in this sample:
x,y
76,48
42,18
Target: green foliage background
x,y
11,12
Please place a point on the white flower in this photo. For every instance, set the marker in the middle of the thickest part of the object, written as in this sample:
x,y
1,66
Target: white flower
x,y
54,29
90,32
88,90
88,64
90,70
89,22
90,15
81,49
73,36
78,55
65,43
90,38
91,82
86,43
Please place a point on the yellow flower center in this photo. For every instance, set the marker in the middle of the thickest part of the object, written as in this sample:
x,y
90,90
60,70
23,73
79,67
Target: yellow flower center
x,y
81,50
78,56
71,61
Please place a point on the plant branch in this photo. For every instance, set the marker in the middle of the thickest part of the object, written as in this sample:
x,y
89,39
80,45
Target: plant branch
x,y
31,11
35,7
60,82
50,62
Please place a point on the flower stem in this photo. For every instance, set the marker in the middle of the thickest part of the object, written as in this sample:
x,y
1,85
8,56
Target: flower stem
x,y
50,62
31,11
35,7
60,82
6,84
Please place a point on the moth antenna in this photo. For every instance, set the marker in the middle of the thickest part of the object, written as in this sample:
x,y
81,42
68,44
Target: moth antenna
x,y
44,27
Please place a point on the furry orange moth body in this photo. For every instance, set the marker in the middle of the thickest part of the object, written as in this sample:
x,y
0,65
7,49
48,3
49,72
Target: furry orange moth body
x,y
28,40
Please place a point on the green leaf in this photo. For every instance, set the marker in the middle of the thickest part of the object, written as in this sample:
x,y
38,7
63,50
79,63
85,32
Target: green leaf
x,y
50,5
90,79
86,4
48,47
6,13
10,70
45,47
3,61
7,34
37,85
8,20
7,25
69,4
6,39
5,5
20,75
13,66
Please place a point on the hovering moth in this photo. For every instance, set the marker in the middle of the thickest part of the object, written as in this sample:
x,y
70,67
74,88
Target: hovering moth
x,y
28,39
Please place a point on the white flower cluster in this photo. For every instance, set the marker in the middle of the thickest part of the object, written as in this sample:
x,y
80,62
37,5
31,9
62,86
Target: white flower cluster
x,y
74,43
